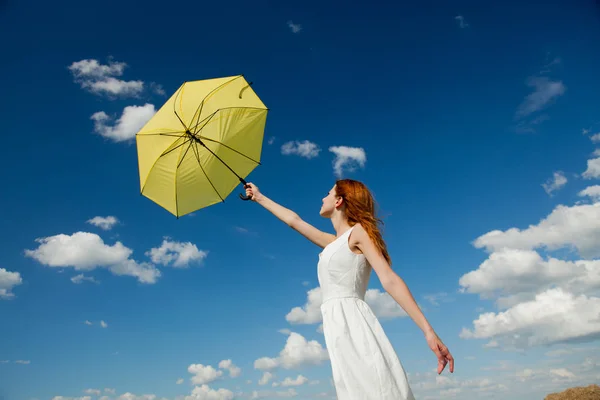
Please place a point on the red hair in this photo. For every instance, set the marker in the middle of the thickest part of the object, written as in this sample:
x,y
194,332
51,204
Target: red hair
x,y
360,208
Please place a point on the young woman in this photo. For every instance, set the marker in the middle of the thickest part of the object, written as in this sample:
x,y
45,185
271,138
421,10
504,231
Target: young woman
x,y
363,361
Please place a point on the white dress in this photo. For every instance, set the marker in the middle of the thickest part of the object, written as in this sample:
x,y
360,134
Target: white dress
x,y
363,362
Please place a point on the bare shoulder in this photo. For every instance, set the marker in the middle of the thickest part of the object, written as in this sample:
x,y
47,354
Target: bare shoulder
x,y
358,237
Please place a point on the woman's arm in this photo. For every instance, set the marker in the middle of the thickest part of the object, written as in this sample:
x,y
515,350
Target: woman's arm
x,y
290,218
398,290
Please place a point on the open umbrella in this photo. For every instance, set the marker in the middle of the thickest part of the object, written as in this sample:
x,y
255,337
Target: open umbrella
x,y
201,144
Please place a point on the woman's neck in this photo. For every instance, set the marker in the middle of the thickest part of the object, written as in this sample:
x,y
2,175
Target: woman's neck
x,y
340,223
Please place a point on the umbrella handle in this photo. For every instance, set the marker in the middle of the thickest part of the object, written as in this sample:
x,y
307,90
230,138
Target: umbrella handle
x,y
243,196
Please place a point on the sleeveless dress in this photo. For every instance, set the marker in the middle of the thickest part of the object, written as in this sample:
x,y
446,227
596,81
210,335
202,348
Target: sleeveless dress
x,y
363,362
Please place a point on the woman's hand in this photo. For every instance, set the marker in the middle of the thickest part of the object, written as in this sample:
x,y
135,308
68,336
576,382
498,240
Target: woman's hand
x,y
441,351
253,192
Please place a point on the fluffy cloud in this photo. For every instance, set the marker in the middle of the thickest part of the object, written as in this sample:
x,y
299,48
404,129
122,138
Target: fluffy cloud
x,y
100,78
206,393
132,119
592,192
382,304
577,226
203,374
266,378
234,371
593,169
177,254
8,280
545,91
517,275
105,223
296,353
557,181
304,149
347,159
85,251
298,381
554,316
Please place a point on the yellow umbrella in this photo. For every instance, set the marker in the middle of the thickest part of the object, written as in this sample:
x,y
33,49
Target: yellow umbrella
x,y
201,144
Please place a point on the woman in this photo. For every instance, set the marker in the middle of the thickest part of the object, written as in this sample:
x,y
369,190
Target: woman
x,y
363,361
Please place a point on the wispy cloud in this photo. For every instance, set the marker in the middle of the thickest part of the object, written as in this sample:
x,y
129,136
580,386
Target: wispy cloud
x,y
555,183
461,21
304,149
545,91
126,126
105,223
295,28
79,279
347,159
100,79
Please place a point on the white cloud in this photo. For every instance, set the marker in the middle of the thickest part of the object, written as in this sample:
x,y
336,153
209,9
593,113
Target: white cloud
x,y
577,226
266,378
179,381
461,21
78,279
8,280
206,393
126,126
555,183
131,396
271,140
105,223
100,78
93,392
234,371
298,381
263,394
203,374
72,398
304,149
23,362
593,169
592,192
103,324
110,391
544,93
296,353
177,254
88,323
295,28
517,275
554,316
382,304
595,138
347,159
87,251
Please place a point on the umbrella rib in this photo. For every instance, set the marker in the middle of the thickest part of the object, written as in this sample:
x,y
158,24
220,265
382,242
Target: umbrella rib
x,y
195,148
175,148
232,149
201,106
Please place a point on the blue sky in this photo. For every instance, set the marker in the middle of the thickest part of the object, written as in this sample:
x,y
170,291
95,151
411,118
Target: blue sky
x,y
475,127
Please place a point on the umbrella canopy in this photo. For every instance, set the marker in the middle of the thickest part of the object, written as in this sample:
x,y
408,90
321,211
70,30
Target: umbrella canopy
x,y
201,144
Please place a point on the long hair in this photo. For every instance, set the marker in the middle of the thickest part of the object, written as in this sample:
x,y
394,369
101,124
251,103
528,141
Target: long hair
x,y
360,208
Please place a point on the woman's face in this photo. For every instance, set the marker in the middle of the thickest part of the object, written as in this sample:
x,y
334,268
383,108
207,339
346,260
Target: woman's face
x,y
329,203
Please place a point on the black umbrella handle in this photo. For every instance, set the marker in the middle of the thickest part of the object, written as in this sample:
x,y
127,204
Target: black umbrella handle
x,y
243,196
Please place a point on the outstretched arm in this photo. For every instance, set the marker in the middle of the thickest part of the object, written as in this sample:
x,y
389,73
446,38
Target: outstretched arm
x,y
395,286
290,218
